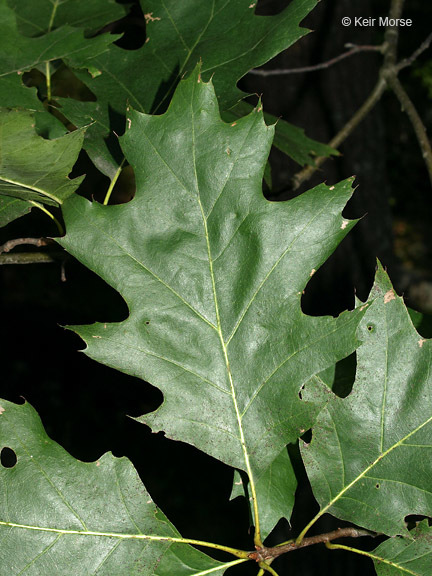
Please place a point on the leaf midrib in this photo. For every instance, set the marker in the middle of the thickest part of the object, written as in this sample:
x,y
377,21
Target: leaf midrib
x,y
30,188
222,341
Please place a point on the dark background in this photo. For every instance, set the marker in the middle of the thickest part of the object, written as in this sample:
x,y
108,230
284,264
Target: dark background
x,y
84,406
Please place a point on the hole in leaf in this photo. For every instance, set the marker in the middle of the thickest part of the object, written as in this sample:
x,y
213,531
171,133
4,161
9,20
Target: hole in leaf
x,y
344,376
8,458
268,7
132,26
370,328
413,519
422,323
377,486
301,392
307,436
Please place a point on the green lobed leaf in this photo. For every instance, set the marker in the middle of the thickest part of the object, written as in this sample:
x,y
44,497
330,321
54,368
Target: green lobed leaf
x,y
213,276
65,43
290,139
227,37
411,556
33,169
12,208
370,459
35,18
62,516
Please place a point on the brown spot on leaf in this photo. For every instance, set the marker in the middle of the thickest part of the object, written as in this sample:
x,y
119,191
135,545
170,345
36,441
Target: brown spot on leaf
x,y
312,272
344,224
1,409
98,463
228,151
421,342
234,124
390,295
129,122
252,5
149,17
95,336
331,188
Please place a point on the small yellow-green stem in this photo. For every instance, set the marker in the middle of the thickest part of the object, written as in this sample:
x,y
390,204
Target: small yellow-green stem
x,y
224,566
47,64
285,543
48,81
113,183
53,218
239,553
306,529
369,555
53,13
267,568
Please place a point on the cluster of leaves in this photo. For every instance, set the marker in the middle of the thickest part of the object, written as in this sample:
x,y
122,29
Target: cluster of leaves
x,y
213,276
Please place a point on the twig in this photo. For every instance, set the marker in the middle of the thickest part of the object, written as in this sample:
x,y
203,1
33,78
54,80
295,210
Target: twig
x,y
343,134
31,258
315,67
419,128
11,244
391,35
408,61
264,554
387,77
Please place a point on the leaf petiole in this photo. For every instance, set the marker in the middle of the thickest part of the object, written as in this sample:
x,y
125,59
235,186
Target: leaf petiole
x,y
53,218
370,555
266,568
48,81
224,566
113,183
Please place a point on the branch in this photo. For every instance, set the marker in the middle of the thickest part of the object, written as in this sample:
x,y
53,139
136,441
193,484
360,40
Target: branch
x,y
387,77
408,61
265,554
315,67
31,258
343,134
11,244
416,121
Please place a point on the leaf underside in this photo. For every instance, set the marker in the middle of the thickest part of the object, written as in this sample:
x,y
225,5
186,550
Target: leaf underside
x,y
370,459
61,516
411,556
213,276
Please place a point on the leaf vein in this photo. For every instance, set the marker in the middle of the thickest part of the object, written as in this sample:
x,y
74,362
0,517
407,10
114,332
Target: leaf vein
x,y
267,276
152,274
